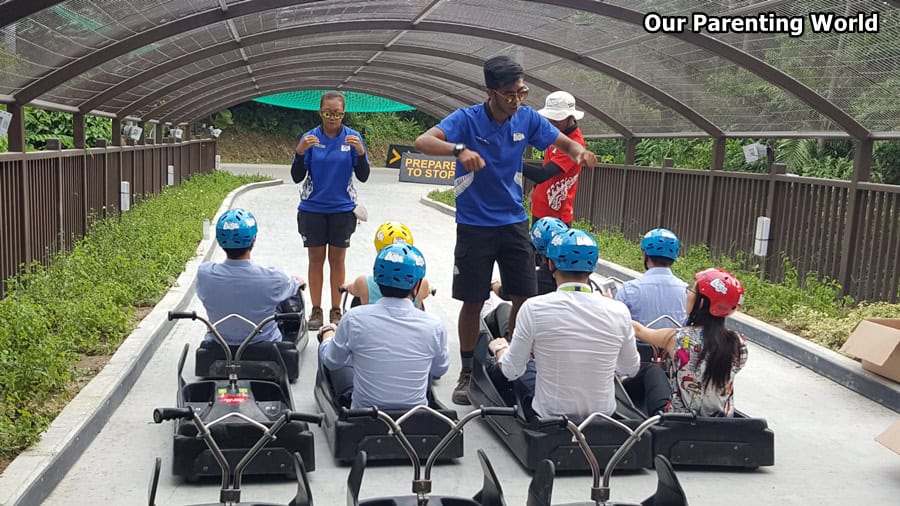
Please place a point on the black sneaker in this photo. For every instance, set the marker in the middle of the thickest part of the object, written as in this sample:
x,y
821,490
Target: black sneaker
x,y
316,318
461,392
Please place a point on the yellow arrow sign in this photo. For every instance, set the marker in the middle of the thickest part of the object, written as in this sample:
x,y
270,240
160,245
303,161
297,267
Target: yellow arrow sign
x,y
396,156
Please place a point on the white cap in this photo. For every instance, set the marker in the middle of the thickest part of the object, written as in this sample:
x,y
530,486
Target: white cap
x,y
559,106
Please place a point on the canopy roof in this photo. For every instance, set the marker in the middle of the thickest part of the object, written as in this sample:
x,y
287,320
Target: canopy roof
x,y
180,60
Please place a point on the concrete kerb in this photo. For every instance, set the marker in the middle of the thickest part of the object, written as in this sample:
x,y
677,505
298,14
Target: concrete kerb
x,y
31,477
832,365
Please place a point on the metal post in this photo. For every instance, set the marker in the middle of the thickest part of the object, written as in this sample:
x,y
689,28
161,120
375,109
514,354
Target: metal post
x,y
117,132
16,133
78,133
630,145
775,170
668,163
718,161
140,141
862,164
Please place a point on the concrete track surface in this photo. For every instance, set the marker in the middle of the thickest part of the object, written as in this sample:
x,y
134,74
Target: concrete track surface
x,y
825,453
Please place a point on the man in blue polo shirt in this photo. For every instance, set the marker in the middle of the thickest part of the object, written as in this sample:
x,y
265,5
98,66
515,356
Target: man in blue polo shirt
x,y
489,141
239,285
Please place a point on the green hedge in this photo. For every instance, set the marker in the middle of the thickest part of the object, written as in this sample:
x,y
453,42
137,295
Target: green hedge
x,y
83,302
812,308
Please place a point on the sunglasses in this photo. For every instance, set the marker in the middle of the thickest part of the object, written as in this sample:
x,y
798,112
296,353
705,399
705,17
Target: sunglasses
x,y
331,115
510,98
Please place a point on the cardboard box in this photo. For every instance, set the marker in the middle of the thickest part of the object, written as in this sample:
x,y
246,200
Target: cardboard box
x,y
876,341
891,437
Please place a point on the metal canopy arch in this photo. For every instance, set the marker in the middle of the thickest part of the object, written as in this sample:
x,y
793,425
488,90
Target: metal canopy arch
x,y
59,76
14,10
161,93
98,100
307,65
740,58
280,88
199,95
616,125
249,92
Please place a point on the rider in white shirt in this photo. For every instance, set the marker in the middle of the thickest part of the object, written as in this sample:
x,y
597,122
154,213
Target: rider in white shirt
x,y
579,341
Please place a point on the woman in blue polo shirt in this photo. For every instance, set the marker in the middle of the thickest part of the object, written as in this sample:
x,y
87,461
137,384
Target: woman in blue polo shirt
x,y
330,155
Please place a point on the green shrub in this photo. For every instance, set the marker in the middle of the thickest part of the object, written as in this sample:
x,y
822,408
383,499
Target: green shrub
x,y
443,196
83,302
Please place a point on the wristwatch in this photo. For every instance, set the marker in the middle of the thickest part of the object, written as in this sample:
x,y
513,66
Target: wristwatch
x,y
457,149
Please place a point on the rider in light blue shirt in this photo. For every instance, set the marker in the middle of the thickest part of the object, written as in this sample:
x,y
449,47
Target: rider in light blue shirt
x,y
384,354
658,292
240,286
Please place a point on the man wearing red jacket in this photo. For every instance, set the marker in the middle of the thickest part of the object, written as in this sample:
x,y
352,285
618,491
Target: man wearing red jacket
x,y
554,194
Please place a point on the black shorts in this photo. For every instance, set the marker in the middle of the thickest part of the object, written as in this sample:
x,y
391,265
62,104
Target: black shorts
x,y
477,248
321,229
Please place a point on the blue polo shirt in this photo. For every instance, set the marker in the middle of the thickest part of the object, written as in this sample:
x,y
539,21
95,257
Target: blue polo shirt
x,y
658,292
246,288
394,348
328,187
492,196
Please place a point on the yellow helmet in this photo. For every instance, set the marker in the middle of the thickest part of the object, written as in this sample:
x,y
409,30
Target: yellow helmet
x,y
391,232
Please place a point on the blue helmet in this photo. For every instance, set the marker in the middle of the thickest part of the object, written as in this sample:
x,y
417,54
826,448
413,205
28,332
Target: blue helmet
x,y
661,242
573,250
399,265
236,229
543,230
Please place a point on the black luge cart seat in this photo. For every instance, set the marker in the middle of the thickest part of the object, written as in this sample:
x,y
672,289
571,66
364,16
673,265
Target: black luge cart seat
x,y
257,401
490,494
265,360
668,489
347,437
258,361
532,441
230,472
739,441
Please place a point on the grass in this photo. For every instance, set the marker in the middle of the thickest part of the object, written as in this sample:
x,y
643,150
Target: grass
x,y
84,303
810,307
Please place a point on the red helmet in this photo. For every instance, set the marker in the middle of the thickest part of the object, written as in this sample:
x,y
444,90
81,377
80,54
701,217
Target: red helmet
x,y
724,291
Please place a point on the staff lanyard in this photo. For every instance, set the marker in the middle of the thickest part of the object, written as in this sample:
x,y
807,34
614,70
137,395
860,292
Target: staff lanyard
x,y
577,288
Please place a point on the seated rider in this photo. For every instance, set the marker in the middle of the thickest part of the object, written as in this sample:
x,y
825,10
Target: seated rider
x,y
541,232
578,340
704,355
384,354
364,287
658,292
239,285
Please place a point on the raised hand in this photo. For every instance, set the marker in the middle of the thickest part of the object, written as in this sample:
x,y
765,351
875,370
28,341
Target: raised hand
x,y
356,143
306,143
471,160
587,158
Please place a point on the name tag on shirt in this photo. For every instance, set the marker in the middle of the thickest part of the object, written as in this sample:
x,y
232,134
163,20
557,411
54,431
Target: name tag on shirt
x,y
518,136
345,147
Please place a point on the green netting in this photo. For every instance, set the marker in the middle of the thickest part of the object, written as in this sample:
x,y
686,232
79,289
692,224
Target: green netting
x,y
308,100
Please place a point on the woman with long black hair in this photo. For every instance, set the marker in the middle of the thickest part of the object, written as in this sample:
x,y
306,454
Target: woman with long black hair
x,y
704,356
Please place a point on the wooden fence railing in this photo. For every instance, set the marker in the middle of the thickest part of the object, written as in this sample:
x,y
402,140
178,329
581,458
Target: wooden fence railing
x,y
48,199
810,219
